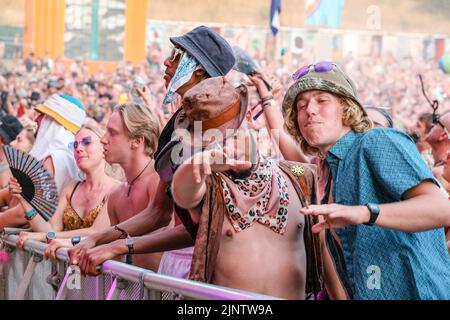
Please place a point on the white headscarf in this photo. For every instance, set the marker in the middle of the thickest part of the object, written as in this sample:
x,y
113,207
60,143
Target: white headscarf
x,y
53,140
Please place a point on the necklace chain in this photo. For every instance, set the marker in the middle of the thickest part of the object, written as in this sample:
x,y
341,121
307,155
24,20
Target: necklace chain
x,y
130,184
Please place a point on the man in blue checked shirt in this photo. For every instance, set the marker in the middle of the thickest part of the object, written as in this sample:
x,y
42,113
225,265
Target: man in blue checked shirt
x,y
382,213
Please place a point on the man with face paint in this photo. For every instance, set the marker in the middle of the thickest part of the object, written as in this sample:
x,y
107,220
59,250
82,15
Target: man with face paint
x,y
197,55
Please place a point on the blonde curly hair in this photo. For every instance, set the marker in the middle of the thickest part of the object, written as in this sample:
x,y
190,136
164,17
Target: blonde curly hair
x,y
353,117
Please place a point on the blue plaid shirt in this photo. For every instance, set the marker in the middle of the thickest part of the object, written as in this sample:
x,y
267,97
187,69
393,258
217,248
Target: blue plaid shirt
x,y
379,167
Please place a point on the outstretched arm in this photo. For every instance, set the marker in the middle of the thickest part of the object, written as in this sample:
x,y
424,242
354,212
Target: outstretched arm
x,y
166,240
157,215
188,185
414,214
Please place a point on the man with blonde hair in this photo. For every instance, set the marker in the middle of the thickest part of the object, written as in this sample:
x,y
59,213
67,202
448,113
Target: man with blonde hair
x,y
383,239
130,141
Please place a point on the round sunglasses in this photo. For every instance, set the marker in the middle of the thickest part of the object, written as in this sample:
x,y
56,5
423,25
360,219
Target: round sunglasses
x,y
86,141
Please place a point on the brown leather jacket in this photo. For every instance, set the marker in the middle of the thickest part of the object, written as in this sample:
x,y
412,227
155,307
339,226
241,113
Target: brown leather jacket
x,y
213,211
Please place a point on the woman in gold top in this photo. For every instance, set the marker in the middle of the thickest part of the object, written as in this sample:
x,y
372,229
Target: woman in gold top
x,y
82,207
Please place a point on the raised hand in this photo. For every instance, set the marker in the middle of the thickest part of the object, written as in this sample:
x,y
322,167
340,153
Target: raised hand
x,y
216,160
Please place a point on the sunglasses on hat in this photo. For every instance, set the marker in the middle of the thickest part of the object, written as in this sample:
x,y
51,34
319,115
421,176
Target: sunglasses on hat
x,y
324,66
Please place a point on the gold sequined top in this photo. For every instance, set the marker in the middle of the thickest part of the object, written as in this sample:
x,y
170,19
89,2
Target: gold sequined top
x,y
73,221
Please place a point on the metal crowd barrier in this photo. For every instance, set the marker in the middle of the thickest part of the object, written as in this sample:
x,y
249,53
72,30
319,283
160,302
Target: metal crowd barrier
x,y
29,276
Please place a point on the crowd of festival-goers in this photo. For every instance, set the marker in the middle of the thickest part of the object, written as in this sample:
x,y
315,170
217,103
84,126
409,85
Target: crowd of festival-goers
x,y
319,180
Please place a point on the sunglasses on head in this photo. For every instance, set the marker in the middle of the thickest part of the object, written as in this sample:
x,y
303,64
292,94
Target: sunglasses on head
x,y
437,121
176,54
86,141
324,66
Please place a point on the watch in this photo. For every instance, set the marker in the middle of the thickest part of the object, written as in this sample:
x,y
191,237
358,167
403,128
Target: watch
x,y
374,210
76,240
51,235
130,244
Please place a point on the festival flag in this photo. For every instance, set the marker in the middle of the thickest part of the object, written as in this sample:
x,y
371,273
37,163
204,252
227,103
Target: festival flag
x,y
275,10
324,12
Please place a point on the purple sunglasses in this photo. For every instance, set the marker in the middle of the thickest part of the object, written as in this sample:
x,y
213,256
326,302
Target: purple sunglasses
x,y
84,142
324,66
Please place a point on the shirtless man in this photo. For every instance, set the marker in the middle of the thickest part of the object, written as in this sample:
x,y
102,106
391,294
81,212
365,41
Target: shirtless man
x,y
130,141
258,208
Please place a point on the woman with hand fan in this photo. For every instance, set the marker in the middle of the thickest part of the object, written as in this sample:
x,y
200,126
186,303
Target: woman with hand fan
x,y
59,118
82,208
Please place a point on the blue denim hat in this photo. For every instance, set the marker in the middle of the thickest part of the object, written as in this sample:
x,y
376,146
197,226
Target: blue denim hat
x,y
211,50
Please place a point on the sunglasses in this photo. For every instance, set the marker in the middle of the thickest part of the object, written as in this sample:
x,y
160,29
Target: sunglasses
x,y
176,54
86,141
436,121
324,66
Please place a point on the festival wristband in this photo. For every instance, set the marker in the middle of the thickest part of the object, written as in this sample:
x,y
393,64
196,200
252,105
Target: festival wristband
x,y
29,215
124,234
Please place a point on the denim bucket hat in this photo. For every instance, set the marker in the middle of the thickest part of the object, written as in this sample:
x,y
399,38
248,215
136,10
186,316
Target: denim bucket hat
x,y
211,50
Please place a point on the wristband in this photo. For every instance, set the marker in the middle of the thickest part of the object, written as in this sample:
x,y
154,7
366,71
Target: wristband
x,y
130,244
268,98
124,234
29,215
75,240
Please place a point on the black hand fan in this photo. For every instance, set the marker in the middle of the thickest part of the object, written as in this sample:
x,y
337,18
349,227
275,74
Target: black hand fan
x,y
38,186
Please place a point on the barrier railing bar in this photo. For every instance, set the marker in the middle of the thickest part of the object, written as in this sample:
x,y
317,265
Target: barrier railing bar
x,y
155,281
25,282
62,288
112,290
